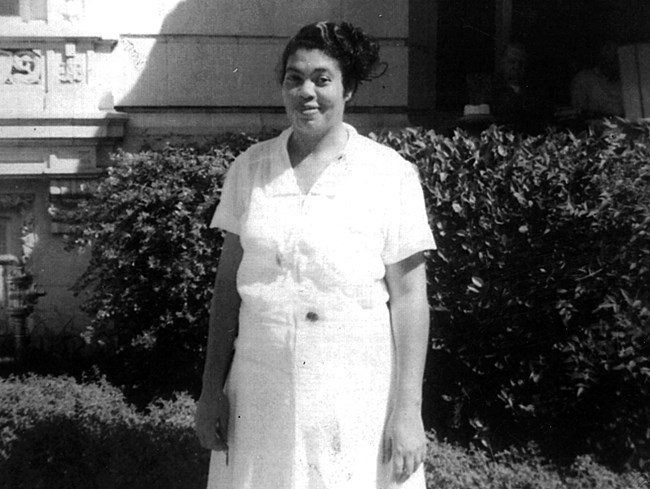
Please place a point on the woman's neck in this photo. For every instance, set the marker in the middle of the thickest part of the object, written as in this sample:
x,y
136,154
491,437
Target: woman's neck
x,y
303,147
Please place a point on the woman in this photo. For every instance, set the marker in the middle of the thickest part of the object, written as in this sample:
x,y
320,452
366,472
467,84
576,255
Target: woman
x,y
322,283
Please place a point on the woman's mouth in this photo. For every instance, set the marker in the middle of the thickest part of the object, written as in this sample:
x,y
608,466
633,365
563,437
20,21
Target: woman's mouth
x,y
309,109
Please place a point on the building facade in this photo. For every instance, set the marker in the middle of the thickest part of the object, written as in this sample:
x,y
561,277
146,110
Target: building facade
x,y
80,78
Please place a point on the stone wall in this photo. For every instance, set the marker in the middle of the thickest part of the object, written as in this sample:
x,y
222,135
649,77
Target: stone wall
x,y
174,69
57,127
199,66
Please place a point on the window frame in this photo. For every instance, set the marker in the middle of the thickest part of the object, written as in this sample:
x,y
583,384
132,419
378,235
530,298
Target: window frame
x,y
27,11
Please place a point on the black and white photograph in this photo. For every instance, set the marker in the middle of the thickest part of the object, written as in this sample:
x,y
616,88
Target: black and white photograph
x,y
324,244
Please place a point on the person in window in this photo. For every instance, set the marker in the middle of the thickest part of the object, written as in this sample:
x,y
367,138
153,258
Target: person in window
x,y
596,91
320,292
515,100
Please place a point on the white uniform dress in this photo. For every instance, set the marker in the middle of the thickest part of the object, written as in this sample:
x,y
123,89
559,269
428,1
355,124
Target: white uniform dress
x,y
310,384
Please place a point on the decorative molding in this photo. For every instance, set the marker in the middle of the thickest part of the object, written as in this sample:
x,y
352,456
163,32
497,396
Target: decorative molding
x,y
139,61
71,70
79,126
20,67
16,202
73,186
23,205
56,20
71,11
65,195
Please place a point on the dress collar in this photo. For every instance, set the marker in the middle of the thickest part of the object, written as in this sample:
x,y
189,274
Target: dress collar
x,y
284,181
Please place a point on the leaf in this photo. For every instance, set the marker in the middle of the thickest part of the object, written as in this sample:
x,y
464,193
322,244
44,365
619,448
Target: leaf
x,y
477,281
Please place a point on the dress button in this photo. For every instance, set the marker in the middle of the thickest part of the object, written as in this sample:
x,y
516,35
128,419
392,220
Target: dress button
x,y
312,316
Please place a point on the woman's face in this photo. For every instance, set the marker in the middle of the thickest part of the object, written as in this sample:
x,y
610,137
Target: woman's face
x,y
313,93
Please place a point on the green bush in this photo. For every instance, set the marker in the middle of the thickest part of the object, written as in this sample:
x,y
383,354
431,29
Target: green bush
x,y
152,266
58,433
540,286
450,467
61,434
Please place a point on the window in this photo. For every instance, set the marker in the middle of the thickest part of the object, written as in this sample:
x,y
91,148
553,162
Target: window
x,y
4,226
466,45
10,8
24,9
34,9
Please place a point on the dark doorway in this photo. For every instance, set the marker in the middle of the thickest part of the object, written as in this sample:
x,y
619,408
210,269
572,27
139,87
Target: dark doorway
x,y
560,36
466,44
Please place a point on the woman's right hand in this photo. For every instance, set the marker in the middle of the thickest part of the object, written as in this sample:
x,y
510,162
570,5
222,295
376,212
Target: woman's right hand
x,y
211,421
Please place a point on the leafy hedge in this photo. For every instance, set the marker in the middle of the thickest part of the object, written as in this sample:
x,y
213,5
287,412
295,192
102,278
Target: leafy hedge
x,y
57,433
153,261
540,284
450,467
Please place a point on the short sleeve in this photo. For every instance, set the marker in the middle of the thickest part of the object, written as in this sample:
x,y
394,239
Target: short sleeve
x,y
407,229
232,203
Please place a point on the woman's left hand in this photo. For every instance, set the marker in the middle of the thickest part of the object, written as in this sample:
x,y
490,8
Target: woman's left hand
x,y
405,442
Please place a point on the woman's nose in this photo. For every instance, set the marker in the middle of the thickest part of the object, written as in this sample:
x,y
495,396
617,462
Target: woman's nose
x,y
307,90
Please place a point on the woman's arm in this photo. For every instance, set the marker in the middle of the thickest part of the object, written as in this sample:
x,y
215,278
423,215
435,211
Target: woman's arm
x,y
211,419
404,437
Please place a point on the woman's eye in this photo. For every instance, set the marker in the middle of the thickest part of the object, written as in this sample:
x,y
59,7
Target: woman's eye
x,y
292,79
323,80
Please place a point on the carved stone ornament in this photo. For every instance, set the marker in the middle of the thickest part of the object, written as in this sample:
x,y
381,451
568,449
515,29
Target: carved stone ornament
x,y
71,70
23,204
16,202
20,67
72,10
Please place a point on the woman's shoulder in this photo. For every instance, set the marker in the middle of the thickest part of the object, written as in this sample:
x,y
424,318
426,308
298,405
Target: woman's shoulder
x,y
259,149
258,153
379,156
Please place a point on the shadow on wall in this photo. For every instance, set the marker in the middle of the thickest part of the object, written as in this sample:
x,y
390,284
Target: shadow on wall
x,y
207,67
208,54
198,65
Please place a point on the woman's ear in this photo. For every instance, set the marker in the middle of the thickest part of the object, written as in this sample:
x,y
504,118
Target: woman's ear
x,y
348,95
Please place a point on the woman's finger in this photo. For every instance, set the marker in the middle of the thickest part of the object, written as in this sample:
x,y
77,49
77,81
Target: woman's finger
x,y
418,460
221,430
387,449
398,466
211,435
404,466
213,442
407,467
219,445
422,455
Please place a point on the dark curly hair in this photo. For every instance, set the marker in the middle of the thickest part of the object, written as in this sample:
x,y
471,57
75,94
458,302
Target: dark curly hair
x,y
356,51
